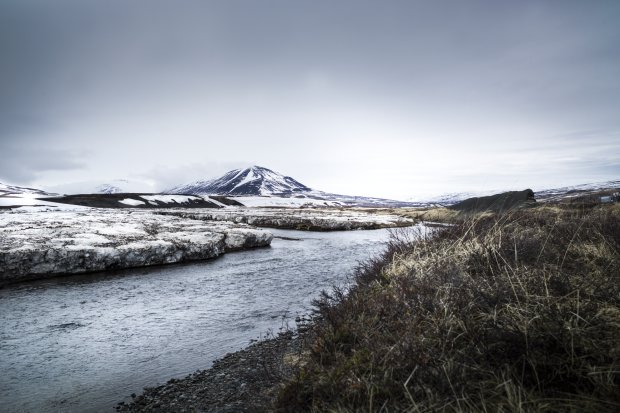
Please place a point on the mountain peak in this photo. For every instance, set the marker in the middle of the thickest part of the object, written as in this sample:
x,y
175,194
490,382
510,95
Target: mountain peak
x,y
259,168
252,181
262,186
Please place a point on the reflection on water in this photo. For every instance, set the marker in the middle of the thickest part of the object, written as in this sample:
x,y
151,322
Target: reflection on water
x,y
84,343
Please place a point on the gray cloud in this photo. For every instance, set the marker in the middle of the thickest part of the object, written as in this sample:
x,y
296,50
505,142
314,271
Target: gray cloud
x,y
320,90
29,160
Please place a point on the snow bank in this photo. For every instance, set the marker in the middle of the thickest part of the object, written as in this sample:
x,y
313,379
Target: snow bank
x,y
130,201
274,201
300,219
42,244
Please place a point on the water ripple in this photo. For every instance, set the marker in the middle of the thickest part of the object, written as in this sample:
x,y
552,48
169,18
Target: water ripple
x,y
83,343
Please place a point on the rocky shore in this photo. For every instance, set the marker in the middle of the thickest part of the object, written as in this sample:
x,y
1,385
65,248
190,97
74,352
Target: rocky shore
x,y
43,244
304,219
246,381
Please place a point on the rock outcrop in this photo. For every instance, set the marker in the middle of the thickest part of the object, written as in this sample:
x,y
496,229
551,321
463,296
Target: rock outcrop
x,y
498,203
40,245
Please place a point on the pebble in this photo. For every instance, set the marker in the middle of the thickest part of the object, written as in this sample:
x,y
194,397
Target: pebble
x,y
233,384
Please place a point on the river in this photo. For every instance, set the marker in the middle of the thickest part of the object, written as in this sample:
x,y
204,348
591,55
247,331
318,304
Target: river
x,y
84,343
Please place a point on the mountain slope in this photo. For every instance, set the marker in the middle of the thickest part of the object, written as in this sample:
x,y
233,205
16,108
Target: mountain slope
x,y
13,196
575,191
14,190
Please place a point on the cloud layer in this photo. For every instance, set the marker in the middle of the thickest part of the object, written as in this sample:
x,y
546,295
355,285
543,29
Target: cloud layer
x,y
391,99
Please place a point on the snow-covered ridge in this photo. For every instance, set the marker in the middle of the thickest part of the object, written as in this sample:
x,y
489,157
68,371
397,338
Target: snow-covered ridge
x,y
574,191
121,200
14,190
19,196
549,194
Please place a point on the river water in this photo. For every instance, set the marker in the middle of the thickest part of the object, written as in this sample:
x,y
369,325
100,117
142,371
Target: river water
x,y
84,343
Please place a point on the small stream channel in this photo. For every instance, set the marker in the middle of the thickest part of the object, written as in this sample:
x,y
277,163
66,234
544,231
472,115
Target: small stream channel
x,y
84,343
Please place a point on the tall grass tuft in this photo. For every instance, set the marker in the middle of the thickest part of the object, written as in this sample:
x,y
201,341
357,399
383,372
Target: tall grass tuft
x,y
507,313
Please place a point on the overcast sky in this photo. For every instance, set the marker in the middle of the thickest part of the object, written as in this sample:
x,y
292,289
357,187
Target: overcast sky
x,y
395,99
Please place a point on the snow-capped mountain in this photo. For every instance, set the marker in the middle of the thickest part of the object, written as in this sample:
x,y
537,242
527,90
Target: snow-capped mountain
x,y
259,186
253,181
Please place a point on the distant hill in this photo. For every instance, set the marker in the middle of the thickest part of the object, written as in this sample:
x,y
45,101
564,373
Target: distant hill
x,y
13,196
578,191
544,195
14,190
138,200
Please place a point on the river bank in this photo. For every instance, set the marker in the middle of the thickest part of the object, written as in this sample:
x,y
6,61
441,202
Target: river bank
x,y
244,381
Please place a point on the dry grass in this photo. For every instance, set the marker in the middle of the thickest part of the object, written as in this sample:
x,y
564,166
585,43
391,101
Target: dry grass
x,y
511,313
444,215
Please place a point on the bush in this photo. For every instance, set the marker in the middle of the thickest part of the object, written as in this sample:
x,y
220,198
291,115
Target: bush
x,y
516,312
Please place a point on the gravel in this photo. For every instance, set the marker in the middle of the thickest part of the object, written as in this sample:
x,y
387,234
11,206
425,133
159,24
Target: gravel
x,y
244,381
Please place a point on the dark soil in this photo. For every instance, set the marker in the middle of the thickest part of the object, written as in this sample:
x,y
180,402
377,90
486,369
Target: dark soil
x,y
226,201
112,201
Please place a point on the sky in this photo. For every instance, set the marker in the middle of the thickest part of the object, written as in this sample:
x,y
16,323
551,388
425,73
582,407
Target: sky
x,y
395,99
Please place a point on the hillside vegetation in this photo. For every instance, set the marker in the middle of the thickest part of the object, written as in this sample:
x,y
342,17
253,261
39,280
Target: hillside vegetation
x,y
517,312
